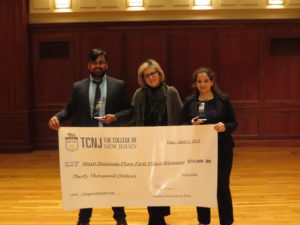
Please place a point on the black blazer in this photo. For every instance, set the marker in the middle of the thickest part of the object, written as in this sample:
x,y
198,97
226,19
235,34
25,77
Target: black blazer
x,y
225,114
78,106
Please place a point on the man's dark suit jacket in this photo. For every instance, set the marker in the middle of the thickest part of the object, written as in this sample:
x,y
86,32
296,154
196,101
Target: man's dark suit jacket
x,y
78,106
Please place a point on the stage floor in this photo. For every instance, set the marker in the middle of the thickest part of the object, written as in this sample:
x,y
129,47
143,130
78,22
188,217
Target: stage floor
x,y
265,186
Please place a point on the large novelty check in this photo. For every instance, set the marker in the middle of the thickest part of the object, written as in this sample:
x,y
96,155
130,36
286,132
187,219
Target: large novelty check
x,y
138,166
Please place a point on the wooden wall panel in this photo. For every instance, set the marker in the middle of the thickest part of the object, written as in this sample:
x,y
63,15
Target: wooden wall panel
x,y
255,62
285,79
237,75
280,123
54,72
238,70
140,46
15,127
53,75
43,137
248,121
262,87
189,50
280,79
14,76
13,55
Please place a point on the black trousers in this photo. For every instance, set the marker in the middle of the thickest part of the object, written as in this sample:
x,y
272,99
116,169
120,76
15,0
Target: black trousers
x,y
158,212
225,208
85,214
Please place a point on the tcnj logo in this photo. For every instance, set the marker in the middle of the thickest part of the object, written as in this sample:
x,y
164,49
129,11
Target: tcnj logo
x,y
71,142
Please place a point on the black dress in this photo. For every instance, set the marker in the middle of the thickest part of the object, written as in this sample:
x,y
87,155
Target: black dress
x,y
218,109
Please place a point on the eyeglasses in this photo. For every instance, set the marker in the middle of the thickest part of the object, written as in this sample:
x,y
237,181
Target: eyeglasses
x,y
97,63
147,76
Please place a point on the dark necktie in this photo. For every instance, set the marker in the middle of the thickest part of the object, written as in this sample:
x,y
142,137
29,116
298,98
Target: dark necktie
x,y
97,104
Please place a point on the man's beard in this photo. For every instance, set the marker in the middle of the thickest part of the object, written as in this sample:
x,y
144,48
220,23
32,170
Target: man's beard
x,y
98,75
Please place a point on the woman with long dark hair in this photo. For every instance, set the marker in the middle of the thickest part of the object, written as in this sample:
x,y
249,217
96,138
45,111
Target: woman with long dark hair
x,y
209,106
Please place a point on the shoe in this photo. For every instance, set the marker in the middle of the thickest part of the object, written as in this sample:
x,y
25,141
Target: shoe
x,y
122,222
160,221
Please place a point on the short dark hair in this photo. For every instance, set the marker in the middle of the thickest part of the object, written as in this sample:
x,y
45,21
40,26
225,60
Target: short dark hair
x,y
95,53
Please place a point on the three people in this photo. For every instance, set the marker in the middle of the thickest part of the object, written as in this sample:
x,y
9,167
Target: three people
x,y
217,110
155,104
101,100
98,100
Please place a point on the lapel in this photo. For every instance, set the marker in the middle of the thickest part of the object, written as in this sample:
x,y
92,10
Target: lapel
x,y
219,106
108,93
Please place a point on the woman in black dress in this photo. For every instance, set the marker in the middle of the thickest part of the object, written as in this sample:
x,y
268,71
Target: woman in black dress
x,y
209,106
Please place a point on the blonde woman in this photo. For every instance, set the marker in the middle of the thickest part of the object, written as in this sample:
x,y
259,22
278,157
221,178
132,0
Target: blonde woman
x,y
155,104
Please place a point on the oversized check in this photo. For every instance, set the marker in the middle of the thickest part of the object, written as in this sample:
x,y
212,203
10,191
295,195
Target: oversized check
x,y
138,166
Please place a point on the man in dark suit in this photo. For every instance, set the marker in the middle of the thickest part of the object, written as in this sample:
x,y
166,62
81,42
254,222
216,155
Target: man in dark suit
x,y
98,100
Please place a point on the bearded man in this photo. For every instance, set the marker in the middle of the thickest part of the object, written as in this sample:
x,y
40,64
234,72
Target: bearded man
x,y
96,101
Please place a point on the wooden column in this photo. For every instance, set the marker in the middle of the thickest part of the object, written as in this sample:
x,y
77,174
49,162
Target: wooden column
x,y
14,77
